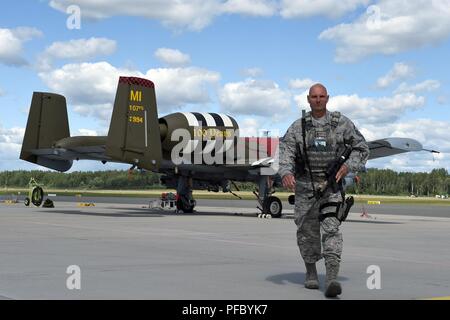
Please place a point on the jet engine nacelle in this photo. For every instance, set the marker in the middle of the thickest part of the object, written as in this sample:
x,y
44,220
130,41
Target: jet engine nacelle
x,y
206,127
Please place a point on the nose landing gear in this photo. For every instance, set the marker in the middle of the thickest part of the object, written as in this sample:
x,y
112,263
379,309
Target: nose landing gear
x,y
269,205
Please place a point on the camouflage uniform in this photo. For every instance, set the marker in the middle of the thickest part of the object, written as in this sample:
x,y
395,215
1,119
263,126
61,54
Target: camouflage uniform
x,y
325,140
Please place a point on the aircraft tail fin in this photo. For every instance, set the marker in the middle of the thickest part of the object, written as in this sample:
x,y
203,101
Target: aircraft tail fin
x,y
47,123
134,135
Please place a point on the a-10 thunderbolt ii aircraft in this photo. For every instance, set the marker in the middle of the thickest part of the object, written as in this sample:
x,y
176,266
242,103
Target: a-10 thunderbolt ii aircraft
x,y
191,150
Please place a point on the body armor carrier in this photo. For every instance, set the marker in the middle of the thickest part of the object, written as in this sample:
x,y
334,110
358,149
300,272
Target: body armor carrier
x,y
322,144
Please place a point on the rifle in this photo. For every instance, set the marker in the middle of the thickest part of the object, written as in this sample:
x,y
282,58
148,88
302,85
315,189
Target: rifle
x,y
342,208
333,168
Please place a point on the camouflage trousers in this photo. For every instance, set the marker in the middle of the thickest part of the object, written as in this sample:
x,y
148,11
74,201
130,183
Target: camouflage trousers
x,y
313,235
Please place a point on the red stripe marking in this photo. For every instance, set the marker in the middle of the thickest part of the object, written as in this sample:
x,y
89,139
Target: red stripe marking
x,y
268,143
137,81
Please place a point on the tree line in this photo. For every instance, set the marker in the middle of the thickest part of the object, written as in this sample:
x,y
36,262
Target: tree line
x,y
374,181
389,182
95,180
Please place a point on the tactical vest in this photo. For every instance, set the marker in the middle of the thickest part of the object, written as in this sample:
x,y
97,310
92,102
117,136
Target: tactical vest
x,y
322,144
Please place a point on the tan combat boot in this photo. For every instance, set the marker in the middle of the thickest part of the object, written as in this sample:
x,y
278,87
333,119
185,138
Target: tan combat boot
x,y
311,279
333,287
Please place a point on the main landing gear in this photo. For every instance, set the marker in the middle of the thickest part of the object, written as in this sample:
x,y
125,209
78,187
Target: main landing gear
x,y
269,205
185,202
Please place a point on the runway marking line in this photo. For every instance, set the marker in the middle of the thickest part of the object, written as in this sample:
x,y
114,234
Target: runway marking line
x,y
10,202
86,204
439,298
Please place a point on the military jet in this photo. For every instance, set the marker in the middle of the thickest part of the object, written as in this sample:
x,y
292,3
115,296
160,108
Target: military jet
x,y
192,150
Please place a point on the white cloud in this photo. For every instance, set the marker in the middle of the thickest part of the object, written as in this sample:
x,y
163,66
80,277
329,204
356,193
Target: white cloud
x,y
97,111
399,71
13,135
376,110
81,48
172,57
91,87
86,83
2,92
329,8
257,127
301,84
87,132
252,72
370,110
391,27
248,128
176,87
11,44
427,85
413,162
77,49
195,15
176,14
255,97
442,99
9,151
11,142
262,8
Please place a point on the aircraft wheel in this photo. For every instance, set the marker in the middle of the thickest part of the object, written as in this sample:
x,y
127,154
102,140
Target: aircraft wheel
x,y
273,206
291,199
181,206
27,201
37,196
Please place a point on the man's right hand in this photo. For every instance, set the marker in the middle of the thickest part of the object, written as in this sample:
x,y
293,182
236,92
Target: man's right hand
x,y
289,182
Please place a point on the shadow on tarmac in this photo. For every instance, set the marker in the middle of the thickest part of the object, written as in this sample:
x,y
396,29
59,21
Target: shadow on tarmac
x,y
146,213
142,213
297,278
373,221
102,214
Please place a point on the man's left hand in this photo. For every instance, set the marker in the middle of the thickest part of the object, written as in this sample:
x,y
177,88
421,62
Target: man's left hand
x,y
341,173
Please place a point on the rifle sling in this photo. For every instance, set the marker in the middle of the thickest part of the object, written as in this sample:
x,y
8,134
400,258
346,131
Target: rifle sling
x,y
316,195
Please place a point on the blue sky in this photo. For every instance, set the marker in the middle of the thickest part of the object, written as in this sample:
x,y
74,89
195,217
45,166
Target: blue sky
x,y
385,64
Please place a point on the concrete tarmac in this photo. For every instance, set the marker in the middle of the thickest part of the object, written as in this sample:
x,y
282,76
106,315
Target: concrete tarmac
x,y
128,251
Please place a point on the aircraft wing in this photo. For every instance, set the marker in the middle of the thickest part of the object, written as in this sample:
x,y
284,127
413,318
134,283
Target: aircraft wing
x,y
391,146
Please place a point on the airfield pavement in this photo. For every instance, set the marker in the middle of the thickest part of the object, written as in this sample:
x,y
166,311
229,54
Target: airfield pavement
x,y
128,251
